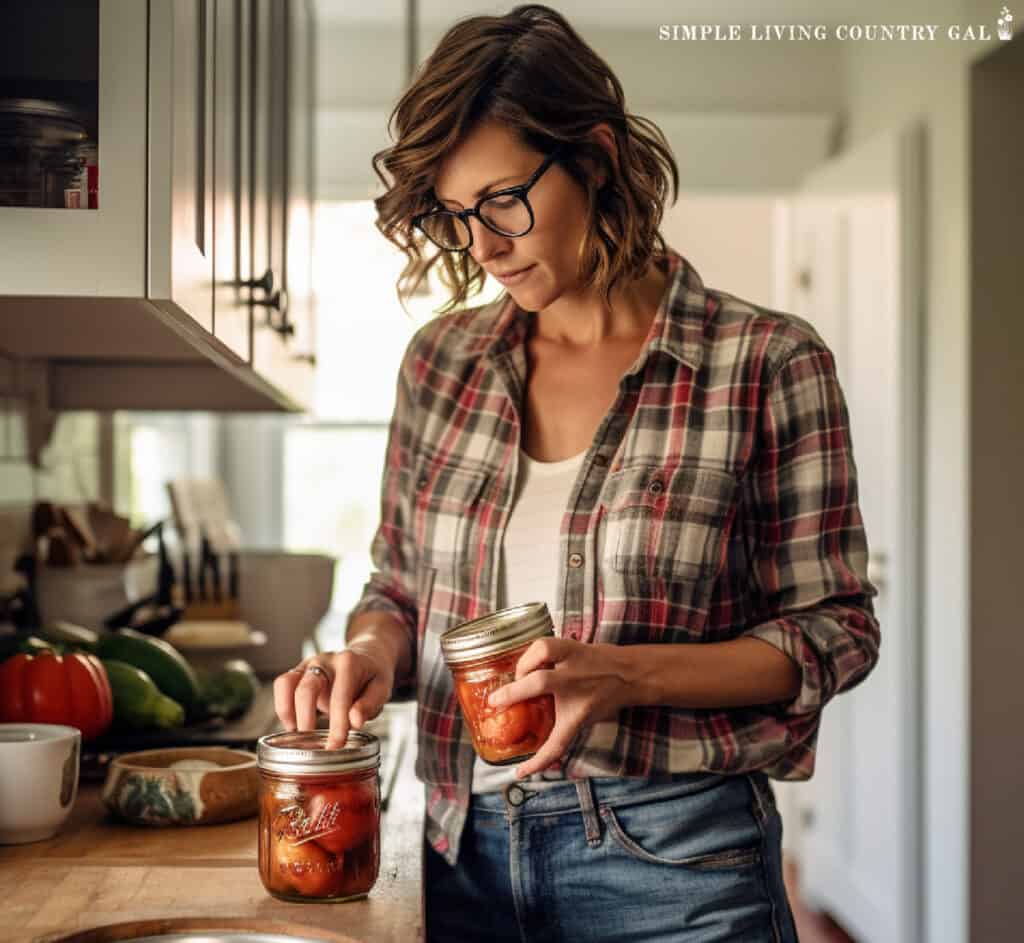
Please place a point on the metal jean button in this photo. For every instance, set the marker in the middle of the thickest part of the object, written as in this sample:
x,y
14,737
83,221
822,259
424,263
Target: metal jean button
x,y
515,795
575,559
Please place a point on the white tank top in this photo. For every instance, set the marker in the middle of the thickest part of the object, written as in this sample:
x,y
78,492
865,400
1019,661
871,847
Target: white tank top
x,y
529,564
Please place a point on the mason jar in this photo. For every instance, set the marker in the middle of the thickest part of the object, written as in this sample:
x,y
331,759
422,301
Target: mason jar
x,y
319,828
482,656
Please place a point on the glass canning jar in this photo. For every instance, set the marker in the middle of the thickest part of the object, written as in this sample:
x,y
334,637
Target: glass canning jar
x,y
319,830
482,656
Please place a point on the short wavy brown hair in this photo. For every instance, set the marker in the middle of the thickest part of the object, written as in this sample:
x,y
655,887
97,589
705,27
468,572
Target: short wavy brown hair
x,y
530,71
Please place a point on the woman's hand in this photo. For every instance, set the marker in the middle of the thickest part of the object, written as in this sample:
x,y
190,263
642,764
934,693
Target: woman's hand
x,y
351,687
589,683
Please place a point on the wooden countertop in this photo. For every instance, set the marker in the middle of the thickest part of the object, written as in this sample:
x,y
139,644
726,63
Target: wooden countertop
x,y
97,871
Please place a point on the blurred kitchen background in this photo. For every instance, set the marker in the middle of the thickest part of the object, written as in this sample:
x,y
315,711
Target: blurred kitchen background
x,y
873,187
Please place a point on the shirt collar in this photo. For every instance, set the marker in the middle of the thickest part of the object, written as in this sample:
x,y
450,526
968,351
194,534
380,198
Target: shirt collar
x,y
677,329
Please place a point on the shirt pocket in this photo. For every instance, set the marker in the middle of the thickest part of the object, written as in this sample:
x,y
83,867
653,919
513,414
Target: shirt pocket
x,y
668,522
448,502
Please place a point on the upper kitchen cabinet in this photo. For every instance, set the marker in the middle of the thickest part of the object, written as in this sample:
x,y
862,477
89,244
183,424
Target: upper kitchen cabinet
x,y
196,257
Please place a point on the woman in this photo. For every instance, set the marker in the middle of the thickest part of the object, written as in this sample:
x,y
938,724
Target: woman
x,y
665,465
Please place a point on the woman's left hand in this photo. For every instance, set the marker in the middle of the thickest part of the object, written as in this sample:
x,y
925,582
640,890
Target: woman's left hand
x,y
589,683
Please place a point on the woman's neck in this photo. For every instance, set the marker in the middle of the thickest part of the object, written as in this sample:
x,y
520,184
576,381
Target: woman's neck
x,y
584,321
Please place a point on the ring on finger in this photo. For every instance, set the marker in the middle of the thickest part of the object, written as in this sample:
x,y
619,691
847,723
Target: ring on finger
x,y
318,672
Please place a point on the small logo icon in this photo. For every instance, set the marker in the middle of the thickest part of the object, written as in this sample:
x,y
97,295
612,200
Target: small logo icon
x,y
1004,25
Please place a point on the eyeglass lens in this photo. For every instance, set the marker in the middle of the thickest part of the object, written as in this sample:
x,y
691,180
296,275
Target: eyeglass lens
x,y
507,214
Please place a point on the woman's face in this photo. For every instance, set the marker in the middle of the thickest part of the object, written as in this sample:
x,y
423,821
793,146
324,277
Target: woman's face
x,y
490,158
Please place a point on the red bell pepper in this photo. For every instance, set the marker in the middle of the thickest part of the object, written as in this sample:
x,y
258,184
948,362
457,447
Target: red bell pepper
x,y
56,689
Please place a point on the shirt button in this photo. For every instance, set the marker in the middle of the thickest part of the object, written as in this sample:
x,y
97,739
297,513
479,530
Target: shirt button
x,y
600,460
422,483
575,559
656,486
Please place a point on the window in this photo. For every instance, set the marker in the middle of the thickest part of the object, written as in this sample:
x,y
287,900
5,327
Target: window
x,y
333,460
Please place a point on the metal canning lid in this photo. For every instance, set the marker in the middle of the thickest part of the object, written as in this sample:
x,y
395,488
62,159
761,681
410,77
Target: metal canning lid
x,y
496,632
304,751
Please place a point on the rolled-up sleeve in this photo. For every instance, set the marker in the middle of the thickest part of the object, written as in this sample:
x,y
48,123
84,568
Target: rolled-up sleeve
x,y
391,587
810,561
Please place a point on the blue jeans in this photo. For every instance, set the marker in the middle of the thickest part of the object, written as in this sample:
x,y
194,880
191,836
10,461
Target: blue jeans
x,y
695,857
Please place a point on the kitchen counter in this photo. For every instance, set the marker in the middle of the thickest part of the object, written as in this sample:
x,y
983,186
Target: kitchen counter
x,y
97,871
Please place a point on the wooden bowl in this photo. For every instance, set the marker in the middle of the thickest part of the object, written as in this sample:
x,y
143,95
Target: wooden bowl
x,y
183,786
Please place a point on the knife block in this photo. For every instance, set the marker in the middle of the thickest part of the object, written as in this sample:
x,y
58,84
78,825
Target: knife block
x,y
208,609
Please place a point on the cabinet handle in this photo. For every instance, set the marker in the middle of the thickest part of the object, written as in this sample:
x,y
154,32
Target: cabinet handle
x,y
264,284
277,302
305,358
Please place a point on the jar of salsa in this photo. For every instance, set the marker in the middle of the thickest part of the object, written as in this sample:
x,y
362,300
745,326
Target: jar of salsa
x,y
482,656
319,830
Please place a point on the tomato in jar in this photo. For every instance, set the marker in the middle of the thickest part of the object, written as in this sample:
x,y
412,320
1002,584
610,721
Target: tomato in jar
x,y
346,815
319,834
482,656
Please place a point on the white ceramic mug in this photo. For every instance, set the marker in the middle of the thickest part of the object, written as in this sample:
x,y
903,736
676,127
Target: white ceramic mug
x,y
38,780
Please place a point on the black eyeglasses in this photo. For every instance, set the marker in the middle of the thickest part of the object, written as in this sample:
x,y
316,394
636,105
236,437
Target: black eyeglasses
x,y
506,212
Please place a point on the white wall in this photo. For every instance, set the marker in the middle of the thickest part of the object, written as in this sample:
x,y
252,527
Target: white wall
x,y
728,238
886,85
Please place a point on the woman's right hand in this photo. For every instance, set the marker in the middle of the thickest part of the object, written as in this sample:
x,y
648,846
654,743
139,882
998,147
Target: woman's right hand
x,y
351,687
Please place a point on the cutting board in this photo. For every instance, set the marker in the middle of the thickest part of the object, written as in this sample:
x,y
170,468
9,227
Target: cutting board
x,y
199,926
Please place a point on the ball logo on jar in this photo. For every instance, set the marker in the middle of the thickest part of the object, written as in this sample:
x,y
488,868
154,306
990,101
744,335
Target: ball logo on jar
x,y
306,827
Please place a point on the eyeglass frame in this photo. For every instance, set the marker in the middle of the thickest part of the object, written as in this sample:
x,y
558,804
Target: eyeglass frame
x,y
520,190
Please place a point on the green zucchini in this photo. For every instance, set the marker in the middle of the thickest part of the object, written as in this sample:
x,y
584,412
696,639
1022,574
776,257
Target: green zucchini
x,y
231,690
138,702
174,676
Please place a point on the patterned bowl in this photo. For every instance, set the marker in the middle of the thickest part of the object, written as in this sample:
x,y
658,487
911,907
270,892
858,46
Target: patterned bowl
x,y
183,786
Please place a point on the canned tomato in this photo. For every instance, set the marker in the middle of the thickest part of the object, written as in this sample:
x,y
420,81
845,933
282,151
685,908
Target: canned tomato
x,y
319,830
482,656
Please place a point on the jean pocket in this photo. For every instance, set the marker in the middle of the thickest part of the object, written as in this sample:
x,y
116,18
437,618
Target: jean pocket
x,y
700,831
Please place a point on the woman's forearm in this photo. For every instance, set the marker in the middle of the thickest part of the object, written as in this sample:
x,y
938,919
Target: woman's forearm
x,y
736,673
385,634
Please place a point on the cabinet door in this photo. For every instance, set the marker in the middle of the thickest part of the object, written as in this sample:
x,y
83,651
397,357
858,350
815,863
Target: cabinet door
x,y
102,252
231,178
856,228
274,352
299,183
259,149
181,157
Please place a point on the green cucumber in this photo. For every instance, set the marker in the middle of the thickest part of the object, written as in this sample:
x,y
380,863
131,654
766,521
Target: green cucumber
x,y
138,702
174,676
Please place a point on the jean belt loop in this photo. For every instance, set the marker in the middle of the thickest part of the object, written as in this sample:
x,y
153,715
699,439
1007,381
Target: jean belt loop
x,y
591,819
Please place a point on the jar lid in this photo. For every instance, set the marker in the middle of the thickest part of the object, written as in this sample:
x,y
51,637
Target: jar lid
x,y
496,632
305,751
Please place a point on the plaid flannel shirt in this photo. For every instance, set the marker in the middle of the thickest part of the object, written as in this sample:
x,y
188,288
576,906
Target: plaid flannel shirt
x,y
718,499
